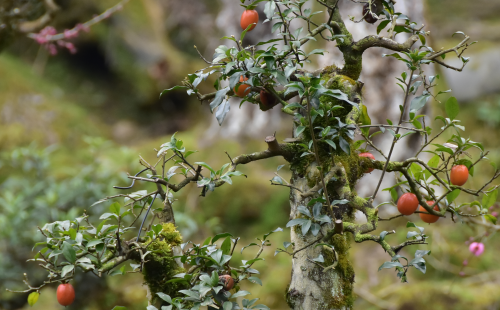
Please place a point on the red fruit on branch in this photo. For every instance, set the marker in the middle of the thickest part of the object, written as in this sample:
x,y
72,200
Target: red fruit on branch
x,y
407,204
368,155
249,17
369,18
65,294
459,175
227,282
428,218
243,89
267,100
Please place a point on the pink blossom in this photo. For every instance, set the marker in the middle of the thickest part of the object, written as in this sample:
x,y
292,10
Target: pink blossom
x,y
71,48
465,262
461,273
48,31
476,248
52,49
40,39
70,33
495,214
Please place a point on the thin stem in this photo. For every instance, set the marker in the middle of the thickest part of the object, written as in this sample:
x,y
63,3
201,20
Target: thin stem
x,y
395,136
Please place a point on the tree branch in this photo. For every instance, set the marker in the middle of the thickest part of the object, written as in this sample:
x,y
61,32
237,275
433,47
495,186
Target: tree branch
x,y
378,41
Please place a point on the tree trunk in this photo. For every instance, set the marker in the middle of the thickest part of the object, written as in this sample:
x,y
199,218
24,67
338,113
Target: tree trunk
x,y
312,286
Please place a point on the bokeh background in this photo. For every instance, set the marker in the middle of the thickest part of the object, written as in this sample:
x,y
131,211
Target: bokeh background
x,y
73,125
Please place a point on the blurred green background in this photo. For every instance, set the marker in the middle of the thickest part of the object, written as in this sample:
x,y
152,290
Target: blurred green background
x,y
72,126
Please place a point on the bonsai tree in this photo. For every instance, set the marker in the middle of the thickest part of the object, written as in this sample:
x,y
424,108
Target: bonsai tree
x,y
329,152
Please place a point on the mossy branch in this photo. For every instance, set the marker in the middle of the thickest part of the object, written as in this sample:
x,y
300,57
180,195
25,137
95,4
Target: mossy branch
x,y
378,41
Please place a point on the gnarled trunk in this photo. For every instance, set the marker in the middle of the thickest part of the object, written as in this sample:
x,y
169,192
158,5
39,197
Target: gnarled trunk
x,y
313,286
326,283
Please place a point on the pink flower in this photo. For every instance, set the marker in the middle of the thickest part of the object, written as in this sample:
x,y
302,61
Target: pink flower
x,y
68,34
476,248
465,262
52,49
71,48
495,214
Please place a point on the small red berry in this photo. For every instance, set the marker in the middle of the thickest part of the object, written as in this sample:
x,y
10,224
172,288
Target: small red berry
x,y
65,294
368,155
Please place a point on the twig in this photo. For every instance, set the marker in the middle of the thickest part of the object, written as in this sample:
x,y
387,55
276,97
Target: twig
x,y
395,138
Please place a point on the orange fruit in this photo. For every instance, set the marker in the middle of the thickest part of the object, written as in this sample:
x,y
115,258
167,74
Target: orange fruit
x,y
459,175
428,218
227,282
407,204
249,17
243,89
65,294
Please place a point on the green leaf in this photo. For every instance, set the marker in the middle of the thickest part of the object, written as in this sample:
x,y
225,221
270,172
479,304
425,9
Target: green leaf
x,y
418,102
119,308
344,145
240,293
453,195
33,298
331,143
293,105
165,297
299,130
255,280
491,218
490,199
115,208
94,242
226,246
220,236
394,194
298,221
382,235
365,120
419,264
390,265
67,269
170,89
452,108
382,25
206,166
69,252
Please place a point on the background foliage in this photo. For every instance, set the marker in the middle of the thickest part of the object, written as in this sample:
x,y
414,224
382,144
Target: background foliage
x,y
71,126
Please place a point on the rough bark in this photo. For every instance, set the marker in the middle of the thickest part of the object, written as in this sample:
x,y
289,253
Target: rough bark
x,y
313,286
328,284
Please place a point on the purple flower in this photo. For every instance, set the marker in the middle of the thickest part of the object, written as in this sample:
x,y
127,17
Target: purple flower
x,y
476,248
